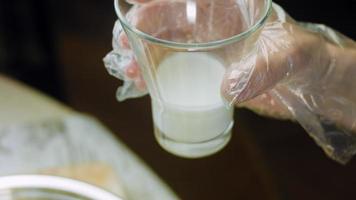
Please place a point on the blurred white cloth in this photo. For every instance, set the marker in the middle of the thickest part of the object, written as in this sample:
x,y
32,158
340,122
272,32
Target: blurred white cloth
x,y
39,135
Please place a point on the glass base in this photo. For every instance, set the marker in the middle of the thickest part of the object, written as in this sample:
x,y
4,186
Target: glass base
x,y
195,149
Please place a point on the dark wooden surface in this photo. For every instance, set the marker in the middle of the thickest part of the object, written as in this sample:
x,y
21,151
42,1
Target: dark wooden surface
x,y
266,159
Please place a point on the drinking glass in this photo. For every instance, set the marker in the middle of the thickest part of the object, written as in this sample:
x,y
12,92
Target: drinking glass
x,y
183,49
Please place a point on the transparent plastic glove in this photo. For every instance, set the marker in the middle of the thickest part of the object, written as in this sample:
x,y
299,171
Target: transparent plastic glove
x,y
304,72
147,14
121,64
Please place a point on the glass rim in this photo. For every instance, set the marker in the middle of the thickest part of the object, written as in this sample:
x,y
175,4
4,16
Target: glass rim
x,y
56,183
215,43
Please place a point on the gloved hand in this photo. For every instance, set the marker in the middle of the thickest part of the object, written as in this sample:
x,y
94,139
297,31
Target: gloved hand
x,y
304,72
298,71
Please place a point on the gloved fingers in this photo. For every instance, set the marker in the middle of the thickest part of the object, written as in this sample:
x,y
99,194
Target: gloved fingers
x,y
254,75
140,83
123,40
130,68
133,72
137,1
283,50
121,64
267,104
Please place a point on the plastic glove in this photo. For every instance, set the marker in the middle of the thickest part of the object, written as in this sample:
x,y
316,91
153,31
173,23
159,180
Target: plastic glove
x,y
303,72
120,62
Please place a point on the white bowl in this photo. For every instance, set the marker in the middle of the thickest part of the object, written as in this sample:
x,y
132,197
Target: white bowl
x,y
42,187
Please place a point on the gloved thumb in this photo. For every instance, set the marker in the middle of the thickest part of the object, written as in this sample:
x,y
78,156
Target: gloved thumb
x,y
283,49
255,74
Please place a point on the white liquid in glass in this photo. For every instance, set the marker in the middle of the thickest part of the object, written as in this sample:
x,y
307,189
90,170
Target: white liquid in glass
x,y
192,109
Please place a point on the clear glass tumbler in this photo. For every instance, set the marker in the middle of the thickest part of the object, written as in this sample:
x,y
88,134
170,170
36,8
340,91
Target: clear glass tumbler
x,y
183,48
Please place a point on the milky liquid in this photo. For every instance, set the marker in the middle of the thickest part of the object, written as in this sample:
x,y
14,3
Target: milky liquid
x,y
192,109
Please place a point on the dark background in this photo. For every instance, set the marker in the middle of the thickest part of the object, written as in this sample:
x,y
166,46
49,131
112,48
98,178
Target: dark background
x,y
57,46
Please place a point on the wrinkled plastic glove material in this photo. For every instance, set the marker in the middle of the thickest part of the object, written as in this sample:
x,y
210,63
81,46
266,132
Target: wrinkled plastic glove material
x,y
116,63
292,73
